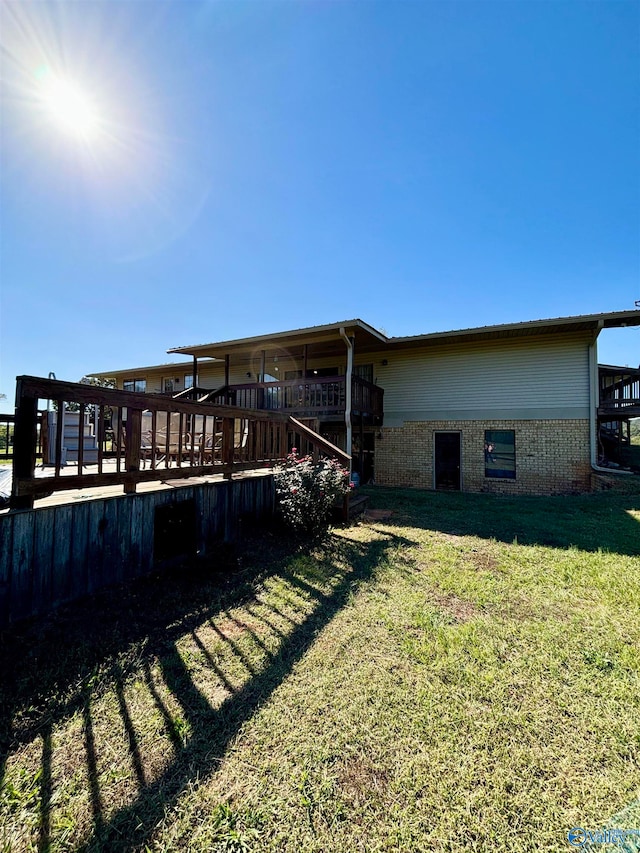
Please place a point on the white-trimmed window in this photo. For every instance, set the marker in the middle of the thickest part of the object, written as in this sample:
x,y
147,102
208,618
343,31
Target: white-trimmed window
x,y
139,385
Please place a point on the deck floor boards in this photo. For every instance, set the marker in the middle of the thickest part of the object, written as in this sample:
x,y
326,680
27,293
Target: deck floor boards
x,y
71,496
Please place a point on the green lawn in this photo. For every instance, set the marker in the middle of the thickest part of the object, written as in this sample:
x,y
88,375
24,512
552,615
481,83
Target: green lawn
x,y
463,675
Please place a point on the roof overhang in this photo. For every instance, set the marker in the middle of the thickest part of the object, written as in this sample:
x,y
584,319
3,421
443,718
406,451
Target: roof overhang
x,y
366,338
593,323
617,370
130,372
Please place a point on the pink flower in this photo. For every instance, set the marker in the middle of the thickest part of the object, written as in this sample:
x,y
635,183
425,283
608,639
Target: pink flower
x,y
294,491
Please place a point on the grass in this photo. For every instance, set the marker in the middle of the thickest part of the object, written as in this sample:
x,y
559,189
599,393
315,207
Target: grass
x,y
461,676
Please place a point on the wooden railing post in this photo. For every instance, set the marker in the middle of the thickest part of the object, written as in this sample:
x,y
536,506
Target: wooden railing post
x,y
25,438
228,439
134,440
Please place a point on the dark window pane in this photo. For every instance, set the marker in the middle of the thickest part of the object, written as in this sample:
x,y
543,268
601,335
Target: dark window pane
x,y
500,454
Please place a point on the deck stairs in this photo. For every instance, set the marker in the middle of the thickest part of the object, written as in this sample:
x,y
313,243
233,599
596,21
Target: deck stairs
x,y
71,439
357,505
350,507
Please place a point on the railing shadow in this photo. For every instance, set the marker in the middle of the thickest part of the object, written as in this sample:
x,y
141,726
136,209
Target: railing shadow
x,y
98,656
216,727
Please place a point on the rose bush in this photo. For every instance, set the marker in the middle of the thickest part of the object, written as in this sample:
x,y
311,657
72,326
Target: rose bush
x,y
306,492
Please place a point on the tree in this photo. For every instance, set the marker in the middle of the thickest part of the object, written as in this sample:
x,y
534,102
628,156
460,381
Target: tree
x,y
97,382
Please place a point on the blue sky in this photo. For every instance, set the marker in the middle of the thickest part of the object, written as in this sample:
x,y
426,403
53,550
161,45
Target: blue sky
x,y
260,166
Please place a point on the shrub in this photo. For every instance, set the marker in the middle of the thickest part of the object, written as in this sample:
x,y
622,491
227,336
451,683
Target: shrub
x,y
307,491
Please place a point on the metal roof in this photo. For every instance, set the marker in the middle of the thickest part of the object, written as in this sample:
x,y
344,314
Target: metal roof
x,y
293,337
370,339
581,322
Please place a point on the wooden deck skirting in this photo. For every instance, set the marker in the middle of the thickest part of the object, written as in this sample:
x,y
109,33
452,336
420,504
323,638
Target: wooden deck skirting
x,y
55,555
181,438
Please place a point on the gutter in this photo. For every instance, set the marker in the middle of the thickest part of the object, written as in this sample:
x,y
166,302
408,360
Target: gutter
x,y
594,399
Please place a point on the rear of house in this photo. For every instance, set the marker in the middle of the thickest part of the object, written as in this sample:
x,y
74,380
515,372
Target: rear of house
x,y
508,414
511,409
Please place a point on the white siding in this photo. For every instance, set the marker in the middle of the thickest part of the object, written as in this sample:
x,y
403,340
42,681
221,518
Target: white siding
x,y
523,378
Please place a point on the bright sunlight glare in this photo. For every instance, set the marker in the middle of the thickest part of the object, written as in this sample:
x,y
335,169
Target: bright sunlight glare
x,y
69,106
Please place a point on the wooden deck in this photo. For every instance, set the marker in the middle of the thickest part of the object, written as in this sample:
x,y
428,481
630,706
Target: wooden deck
x,y
153,439
98,492
619,392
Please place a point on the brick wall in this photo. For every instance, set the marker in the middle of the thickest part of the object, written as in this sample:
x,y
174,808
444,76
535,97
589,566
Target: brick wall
x,y
552,456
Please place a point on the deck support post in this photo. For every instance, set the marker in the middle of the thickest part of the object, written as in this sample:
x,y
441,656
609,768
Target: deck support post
x,y
348,382
24,447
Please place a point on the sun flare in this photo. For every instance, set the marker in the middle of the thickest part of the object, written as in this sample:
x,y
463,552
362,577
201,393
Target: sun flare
x,y
70,108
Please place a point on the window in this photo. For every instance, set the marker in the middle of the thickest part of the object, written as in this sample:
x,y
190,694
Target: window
x,y
188,380
135,385
168,386
364,371
500,454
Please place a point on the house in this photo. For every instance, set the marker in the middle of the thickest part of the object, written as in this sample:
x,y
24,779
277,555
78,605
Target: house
x,y
513,408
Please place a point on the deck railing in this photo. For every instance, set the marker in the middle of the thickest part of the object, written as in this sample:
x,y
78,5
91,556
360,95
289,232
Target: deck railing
x,y
325,395
6,436
7,426
619,392
153,438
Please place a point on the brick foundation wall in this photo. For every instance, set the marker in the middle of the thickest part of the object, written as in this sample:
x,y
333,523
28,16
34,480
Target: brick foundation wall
x,y
552,456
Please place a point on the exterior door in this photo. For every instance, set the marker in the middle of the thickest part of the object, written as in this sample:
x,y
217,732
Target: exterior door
x,y
447,461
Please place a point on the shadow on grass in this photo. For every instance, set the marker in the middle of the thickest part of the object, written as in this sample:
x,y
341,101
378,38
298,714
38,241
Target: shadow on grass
x,y
132,629
598,522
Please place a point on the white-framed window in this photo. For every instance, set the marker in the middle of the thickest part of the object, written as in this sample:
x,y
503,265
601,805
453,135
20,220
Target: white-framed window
x,y
188,380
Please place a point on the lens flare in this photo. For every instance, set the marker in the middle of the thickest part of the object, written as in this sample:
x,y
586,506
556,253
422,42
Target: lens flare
x,y
70,108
